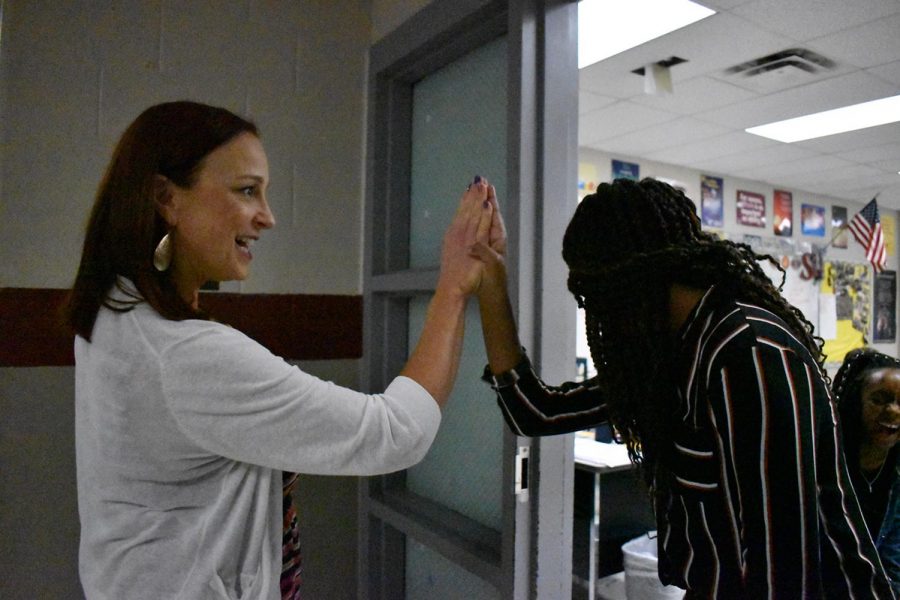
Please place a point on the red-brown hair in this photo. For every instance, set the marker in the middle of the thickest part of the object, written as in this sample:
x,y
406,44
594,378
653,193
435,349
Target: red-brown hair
x,y
124,228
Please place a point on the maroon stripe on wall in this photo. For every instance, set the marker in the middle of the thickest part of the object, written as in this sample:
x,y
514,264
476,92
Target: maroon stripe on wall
x,y
293,326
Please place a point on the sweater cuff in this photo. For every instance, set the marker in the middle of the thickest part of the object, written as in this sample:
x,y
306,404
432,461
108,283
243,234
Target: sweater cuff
x,y
510,377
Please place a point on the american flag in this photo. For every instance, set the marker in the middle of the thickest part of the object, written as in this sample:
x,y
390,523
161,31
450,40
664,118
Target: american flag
x,y
866,228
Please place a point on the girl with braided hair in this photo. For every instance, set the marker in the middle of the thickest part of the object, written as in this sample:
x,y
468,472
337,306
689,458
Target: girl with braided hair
x,y
867,391
716,385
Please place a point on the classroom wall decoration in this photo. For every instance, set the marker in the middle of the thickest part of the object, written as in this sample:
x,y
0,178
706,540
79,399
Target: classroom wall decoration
x,y
888,227
812,220
839,224
587,179
711,195
885,310
783,217
849,282
751,209
625,170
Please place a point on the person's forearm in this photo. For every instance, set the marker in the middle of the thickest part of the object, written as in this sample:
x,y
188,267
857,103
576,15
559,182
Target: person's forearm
x,y
501,338
435,359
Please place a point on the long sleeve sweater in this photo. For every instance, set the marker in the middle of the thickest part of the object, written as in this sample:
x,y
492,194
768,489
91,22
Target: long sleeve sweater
x,y
182,431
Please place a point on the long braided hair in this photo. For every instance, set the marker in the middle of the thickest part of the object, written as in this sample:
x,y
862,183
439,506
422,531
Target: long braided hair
x,y
625,246
848,390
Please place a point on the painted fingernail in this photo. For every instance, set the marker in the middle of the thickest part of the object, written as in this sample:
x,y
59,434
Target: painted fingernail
x,y
477,179
468,187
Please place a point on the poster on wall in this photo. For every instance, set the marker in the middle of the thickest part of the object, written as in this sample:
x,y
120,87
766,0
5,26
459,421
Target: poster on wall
x,y
751,209
812,219
711,195
839,222
587,179
783,217
885,309
849,283
887,229
625,170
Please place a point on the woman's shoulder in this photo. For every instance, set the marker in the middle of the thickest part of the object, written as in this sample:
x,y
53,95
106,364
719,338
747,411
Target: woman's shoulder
x,y
126,311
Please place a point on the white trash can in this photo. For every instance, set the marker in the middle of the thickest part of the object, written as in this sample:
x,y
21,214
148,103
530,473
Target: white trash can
x,y
641,561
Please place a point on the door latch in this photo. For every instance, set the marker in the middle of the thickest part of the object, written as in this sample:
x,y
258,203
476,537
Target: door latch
x,y
522,473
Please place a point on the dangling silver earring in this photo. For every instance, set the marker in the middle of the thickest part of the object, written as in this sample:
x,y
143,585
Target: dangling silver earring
x,y
162,256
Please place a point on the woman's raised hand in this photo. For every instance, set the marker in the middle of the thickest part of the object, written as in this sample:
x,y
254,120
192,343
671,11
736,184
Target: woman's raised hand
x,y
461,269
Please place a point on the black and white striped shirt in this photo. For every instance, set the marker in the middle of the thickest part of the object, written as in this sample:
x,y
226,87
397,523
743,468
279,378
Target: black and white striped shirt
x,y
762,505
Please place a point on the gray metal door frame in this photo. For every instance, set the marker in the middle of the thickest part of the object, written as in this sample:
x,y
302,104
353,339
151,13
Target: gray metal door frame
x,y
531,556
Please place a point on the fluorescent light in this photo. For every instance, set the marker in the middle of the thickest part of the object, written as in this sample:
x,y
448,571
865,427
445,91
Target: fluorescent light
x,y
830,122
607,27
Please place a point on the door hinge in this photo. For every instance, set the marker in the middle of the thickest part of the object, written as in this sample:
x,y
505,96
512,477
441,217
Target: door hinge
x,y
522,473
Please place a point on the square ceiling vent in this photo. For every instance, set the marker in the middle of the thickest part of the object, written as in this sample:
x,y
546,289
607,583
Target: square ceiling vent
x,y
780,71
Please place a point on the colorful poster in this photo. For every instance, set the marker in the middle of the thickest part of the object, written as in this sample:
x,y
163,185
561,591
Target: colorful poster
x,y
751,209
783,217
888,229
587,179
711,200
812,219
839,224
885,310
625,170
852,291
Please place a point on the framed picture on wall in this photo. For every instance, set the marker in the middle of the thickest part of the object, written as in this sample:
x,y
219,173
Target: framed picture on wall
x,y
838,222
783,217
812,219
625,170
884,328
751,209
711,193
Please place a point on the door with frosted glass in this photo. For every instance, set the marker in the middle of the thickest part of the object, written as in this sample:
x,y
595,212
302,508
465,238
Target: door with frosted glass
x,y
453,94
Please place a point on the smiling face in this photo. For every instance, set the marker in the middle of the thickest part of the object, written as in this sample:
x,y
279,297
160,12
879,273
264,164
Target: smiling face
x,y
214,223
881,408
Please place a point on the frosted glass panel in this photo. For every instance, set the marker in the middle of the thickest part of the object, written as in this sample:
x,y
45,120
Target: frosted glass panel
x,y
430,576
463,469
458,131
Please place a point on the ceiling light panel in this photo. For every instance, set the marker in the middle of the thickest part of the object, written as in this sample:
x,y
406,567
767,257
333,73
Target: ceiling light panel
x,y
606,28
830,122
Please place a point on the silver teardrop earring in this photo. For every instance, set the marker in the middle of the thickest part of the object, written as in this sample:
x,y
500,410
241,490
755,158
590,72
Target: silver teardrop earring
x,y
162,256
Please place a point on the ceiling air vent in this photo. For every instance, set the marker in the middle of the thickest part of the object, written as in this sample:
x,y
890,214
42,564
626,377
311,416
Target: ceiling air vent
x,y
780,71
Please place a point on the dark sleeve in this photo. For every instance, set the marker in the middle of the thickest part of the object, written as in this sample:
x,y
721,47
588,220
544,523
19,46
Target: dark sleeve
x,y
532,408
889,536
788,486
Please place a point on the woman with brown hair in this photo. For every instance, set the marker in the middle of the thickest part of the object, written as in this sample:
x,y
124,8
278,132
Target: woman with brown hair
x,y
184,425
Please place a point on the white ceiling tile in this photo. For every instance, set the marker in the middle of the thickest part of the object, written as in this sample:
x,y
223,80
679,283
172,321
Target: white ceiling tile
x,y
796,20
810,164
722,5
875,154
589,101
665,135
696,95
854,140
890,166
773,155
696,152
849,88
889,72
875,43
617,119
